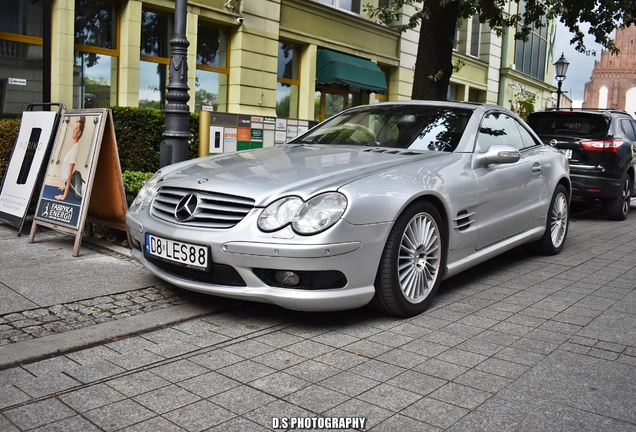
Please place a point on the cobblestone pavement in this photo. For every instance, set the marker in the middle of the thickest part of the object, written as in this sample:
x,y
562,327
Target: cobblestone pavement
x,y
35,323
523,342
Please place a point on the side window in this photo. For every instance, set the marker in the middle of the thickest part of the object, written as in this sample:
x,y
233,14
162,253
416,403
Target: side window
x,y
628,130
528,140
498,128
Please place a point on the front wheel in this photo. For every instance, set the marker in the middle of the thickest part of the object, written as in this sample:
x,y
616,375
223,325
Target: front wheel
x,y
557,224
617,208
413,262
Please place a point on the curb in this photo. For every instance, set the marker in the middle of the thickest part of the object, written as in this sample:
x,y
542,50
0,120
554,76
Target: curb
x,y
48,346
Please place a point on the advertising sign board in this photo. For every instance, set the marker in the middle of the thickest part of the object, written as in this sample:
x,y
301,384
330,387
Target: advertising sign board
x,y
31,149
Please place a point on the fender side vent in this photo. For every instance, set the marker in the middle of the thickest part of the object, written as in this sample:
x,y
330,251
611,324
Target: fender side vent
x,y
464,220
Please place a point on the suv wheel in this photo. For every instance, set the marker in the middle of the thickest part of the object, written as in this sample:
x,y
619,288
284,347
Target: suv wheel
x,y
618,207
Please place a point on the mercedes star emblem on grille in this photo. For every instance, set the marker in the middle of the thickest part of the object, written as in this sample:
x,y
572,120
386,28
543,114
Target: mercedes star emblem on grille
x,y
187,207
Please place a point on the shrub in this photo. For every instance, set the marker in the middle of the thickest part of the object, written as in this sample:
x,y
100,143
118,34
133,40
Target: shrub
x,y
133,180
138,131
9,128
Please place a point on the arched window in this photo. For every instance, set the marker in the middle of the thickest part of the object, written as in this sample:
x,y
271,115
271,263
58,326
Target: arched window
x,y
602,97
630,101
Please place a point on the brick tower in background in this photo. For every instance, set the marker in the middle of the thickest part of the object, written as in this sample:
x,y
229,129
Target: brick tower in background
x,y
613,80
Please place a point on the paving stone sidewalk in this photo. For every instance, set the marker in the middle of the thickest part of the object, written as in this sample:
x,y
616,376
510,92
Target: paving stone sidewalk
x,y
523,342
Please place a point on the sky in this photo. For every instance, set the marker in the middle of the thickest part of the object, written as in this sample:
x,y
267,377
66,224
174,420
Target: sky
x,y
581,65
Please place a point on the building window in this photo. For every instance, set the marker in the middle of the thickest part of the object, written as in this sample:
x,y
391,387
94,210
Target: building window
x,y
350,5
96,54
212,68
531,55
287,87
156,33
21,55
475,36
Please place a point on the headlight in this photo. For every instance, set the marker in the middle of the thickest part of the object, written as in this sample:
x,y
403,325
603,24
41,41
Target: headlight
x,y
146,193
311,217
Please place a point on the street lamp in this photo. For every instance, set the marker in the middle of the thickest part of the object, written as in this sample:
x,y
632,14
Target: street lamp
x,y
561,67
174,146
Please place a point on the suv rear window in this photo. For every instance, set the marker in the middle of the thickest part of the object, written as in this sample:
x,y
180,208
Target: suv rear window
x,y
569,123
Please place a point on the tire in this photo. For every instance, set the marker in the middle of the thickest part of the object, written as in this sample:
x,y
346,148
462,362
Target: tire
x,y
556,230
413,262
617,208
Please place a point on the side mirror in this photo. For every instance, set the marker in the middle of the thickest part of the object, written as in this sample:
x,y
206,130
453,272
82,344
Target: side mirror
x,y
496,154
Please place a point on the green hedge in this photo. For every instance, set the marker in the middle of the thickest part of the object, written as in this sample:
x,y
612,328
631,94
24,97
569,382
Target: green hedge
x,y
138,132
9,128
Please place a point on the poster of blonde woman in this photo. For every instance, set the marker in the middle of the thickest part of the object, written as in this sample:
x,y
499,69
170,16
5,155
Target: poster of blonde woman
x,y
71,165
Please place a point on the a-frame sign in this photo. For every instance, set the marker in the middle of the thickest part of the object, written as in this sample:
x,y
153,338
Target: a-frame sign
x,y
83,182
24,173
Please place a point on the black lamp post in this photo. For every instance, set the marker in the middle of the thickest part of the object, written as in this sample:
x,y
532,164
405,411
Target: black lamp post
x,y
561,67
174,147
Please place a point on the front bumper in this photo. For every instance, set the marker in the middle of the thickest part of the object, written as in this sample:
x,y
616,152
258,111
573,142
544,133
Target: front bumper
x,y
245,254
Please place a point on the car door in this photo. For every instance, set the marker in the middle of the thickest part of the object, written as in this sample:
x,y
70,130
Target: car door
x,y
509,193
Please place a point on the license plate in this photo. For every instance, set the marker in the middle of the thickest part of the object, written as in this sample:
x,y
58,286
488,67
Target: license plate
x,y
184,254
567,153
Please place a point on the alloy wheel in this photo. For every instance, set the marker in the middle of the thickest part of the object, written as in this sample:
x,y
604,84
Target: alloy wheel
x,y
419,258
559,220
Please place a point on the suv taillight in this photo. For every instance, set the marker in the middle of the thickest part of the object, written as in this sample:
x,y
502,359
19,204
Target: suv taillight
x,y
609,144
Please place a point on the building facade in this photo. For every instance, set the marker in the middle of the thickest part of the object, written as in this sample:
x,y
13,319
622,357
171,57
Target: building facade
x,y
304,59
613,80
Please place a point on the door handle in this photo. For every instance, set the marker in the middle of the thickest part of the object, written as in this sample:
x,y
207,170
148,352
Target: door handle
x,y
536,168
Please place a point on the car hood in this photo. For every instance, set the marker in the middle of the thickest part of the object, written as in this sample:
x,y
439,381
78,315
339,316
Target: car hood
x,y
290,169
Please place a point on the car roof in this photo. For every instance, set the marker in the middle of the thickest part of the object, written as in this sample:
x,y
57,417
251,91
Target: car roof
x,y
591,111
451,104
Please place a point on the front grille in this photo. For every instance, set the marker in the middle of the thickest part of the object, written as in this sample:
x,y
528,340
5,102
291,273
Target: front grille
x,y
219,274
215,210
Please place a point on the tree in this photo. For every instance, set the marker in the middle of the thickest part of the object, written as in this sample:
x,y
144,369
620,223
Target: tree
x,y
93,26
99,88
523,104
203,98
282,106
438,20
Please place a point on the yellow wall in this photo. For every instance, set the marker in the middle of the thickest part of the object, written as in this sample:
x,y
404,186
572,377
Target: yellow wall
x,y
252,59
62,53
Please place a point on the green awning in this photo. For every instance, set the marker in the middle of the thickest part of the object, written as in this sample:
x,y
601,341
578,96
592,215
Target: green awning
x,y
337,68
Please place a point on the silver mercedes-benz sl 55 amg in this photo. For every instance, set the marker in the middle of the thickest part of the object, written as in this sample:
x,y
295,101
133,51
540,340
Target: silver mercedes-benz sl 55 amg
x,y
376,205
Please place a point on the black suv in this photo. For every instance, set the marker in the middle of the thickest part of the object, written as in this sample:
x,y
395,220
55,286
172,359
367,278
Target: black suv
x,y
600,146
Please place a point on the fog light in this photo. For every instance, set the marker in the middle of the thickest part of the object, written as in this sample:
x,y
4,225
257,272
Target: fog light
x,y
288,278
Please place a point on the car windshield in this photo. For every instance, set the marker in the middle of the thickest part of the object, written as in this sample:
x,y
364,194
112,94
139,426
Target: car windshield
x,y
569,123
414,127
